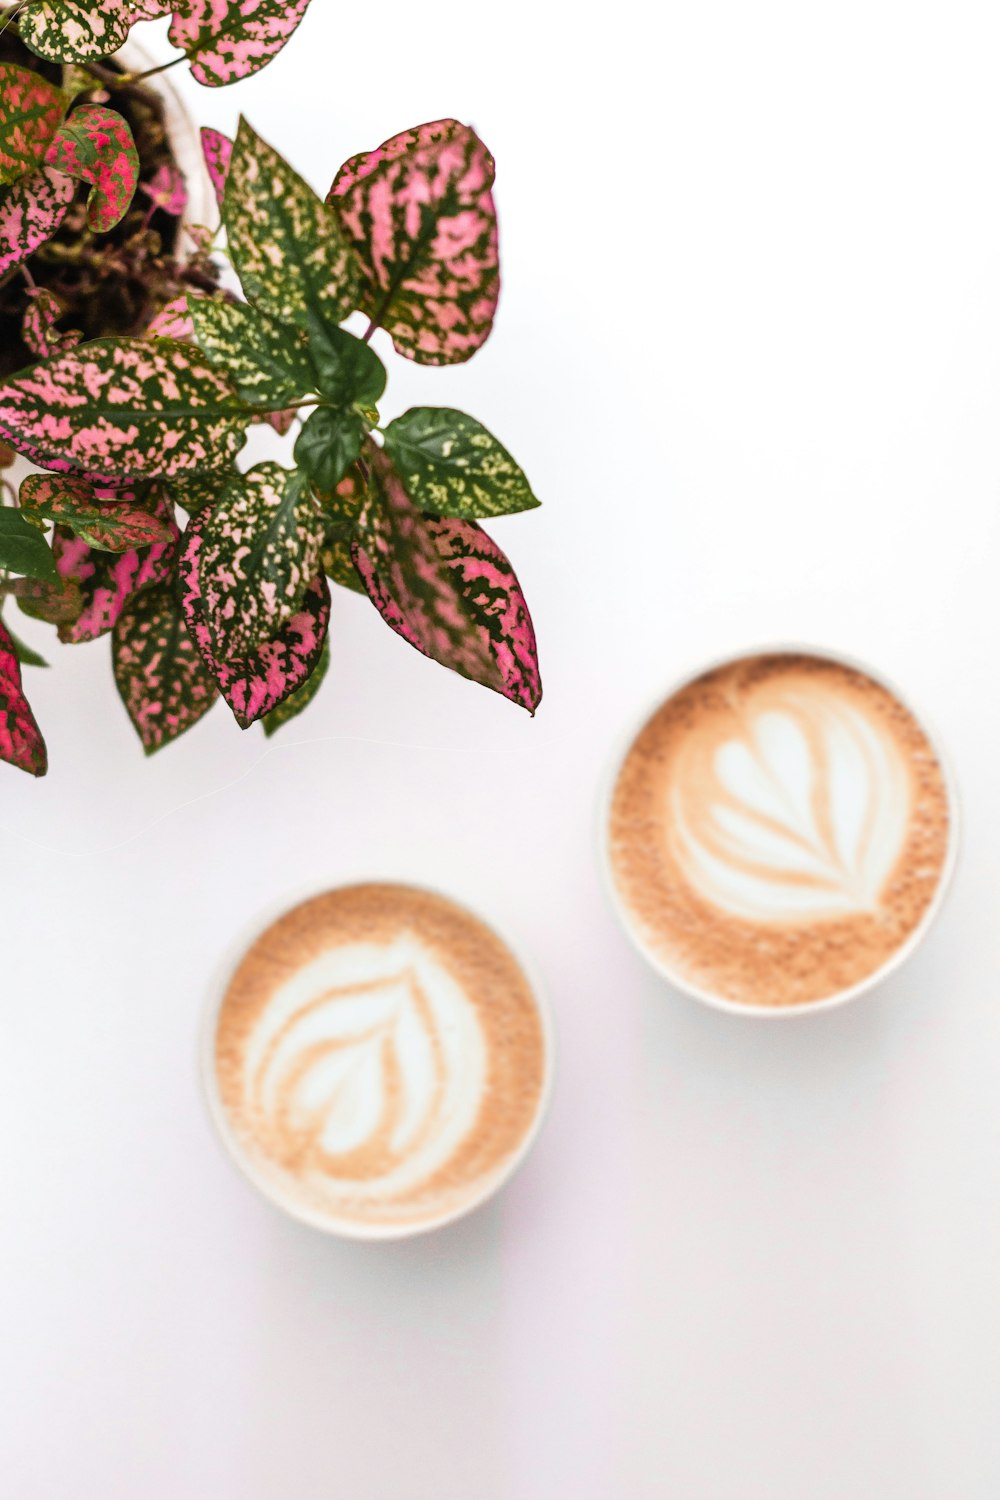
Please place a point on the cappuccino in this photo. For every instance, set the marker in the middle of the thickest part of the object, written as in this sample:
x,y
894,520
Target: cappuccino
x,y
779,831
378,1061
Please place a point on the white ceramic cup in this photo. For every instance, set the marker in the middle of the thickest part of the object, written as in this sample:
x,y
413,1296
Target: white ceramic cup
x,y
287,1202
827,1002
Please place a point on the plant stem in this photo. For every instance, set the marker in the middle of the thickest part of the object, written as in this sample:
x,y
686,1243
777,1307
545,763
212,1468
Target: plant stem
x,y
160,68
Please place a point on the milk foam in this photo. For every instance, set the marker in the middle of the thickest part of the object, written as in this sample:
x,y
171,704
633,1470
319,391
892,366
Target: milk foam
x,y
367,1068
807,816
779,829
379,1059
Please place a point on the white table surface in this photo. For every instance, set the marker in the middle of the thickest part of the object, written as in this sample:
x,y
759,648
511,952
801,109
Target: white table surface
x,y
749,353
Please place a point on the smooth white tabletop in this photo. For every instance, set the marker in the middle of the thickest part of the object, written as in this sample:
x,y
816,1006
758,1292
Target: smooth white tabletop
x,y
748,352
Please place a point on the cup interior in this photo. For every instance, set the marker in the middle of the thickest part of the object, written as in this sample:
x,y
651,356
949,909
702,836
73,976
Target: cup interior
x,y
355,1228
675,976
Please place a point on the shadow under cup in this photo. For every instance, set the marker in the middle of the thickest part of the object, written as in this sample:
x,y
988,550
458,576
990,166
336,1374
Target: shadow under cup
x,y
780,832
377,1061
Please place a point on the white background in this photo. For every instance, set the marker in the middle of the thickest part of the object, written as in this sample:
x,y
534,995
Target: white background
x,y
748,351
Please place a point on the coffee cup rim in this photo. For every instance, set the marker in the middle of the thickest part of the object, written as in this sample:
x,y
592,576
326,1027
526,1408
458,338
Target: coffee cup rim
x,y
217,988
623,744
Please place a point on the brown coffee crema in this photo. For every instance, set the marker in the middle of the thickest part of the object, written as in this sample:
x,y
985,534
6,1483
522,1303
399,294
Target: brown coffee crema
x,y
778,830
380,1057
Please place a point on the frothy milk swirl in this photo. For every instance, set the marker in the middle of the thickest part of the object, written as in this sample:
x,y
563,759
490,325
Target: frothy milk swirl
x,y
367,1068
803,813
778,830
379,1056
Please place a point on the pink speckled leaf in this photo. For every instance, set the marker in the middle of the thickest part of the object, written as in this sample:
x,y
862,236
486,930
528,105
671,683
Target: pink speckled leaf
x,y
123,407
250,557
161,678
96,145
217,150
230,39
419,211
21,742
167,190
108,525
31,211
254,685
107,580
173,321
447,588
38,327
31,109
297,702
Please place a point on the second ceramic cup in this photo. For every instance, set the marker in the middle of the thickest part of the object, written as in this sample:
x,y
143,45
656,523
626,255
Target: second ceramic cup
x,y
780,832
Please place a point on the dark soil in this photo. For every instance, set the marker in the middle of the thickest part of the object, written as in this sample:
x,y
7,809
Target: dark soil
x,y
108,284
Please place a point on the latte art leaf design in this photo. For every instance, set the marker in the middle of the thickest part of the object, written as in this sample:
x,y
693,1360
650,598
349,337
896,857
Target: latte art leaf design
x,y
803,814
367,1069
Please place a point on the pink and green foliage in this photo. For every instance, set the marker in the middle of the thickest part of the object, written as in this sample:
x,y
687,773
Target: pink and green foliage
x,y
39,329
167,190
131,429
80,30
447,588
230,39
31,211
21,742
217,150
31,110
108,580
287,246
161,677
173,321
224,39
124,407
57,603
297,702
254,685
419,211
266,363
107,525
249,558
96,145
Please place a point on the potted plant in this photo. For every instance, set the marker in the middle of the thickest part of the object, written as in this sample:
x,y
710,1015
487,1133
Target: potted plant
x,y
213,581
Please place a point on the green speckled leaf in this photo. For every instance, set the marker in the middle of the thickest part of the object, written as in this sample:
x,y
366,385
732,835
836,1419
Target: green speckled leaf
x,y
348,370
293,705
328,444
287,245
266,363
338,565
451,465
